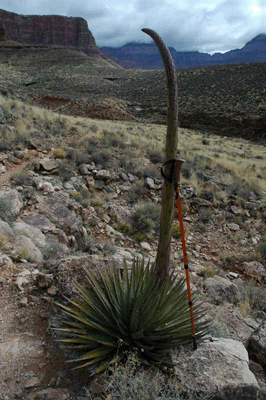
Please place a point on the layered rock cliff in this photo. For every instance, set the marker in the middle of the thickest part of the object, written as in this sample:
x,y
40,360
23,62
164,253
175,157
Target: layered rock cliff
x,y
49,30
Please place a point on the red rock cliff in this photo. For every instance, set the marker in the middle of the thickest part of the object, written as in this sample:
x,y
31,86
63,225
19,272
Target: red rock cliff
x,y
49,30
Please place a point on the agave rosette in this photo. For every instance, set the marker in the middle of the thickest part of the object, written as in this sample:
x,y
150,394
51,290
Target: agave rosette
x,y
128,310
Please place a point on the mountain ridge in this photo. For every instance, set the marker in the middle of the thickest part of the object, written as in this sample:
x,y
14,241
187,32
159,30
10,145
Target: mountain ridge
x,y
146,56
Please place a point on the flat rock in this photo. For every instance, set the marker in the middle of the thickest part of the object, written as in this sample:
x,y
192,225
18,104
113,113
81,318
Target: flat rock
x,y
220,368
47,164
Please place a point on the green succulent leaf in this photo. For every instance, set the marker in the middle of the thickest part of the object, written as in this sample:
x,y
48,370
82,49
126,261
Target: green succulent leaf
x,y
128,310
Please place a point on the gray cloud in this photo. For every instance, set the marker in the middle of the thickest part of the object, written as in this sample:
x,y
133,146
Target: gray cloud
x,y
204,25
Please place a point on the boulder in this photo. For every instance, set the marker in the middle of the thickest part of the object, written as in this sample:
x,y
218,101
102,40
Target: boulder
x,y
5,230
254,269
219,368
221,290
10,204
26,249
36,236
257,344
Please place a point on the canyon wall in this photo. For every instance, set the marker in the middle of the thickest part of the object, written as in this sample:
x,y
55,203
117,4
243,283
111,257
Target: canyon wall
x,y
49,30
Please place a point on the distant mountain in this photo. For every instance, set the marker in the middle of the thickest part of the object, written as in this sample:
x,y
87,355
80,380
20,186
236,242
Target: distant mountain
x,y
143,55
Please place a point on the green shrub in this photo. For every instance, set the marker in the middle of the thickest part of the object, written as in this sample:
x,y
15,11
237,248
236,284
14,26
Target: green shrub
x,y
146,217
122,311
156,156
102,157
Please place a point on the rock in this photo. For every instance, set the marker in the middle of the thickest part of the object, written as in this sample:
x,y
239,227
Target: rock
x,y
45,187
33,382
38,220
36,236
149,183
46,164
257,344
111,231
10,204
6,262
233,227
254,269
23,302
145,246
120,213
105,175
5,230
2,167
23,279
197,201
219,368
221,290
26,249
253,205
49,394
49,30
41,279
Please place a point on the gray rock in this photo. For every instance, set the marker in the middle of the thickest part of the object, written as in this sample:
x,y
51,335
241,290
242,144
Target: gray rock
x,y
149,183
254,269
233,227
48,165
257,344
221,290
145,246
36,236
219,368
39,221
45,187
2,169
253,205
26,249
10,204
5,229
6,262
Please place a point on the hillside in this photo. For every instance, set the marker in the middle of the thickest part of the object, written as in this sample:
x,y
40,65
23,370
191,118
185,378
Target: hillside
x,y
224,99
143,55
77,192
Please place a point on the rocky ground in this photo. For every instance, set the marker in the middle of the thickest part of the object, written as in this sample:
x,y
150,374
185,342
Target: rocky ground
x,y
76,192
225,99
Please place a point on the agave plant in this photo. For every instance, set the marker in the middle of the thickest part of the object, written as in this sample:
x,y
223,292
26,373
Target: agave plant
x,y
127,310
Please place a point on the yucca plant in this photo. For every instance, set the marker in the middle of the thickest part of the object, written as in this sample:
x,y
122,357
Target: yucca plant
x,y
127,310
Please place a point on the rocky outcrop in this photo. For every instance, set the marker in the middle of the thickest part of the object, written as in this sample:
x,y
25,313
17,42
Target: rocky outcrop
x,y
49,30
224,370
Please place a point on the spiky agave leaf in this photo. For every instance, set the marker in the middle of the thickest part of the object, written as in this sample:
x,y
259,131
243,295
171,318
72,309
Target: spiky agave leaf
x,y
128,310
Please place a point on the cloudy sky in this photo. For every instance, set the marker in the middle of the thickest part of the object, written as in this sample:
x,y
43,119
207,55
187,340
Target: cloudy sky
x,y
205,25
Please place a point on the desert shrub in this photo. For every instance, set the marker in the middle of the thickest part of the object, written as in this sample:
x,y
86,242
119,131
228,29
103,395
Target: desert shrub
x,y
207,195
22,179
205,142
94,128
102,157
4,146
124,311
151,171
88,244
146,217
136,193
207,272
262,248
77,156
176,231
59,153
131,166
53,251
156,156
131,381
113,139
254,295
65,170
205,216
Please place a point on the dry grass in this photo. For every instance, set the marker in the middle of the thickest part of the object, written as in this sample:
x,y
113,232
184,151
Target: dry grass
x,y
227,160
